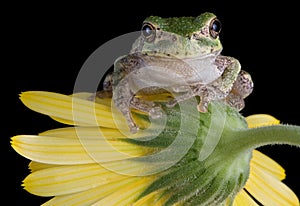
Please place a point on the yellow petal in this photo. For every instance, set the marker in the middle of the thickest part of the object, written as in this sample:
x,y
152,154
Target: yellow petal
x,y
243,199
74,110
68,179
66,121
151,198
88,95
162,97
269,190
57,150
135,167
266,164
84,96
126,195
154,199
259,120
108,102
90,196
91,133
35,166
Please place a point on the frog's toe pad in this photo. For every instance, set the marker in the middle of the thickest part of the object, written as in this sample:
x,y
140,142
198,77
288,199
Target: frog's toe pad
x,y
203,107
103,94
134,129
171,103
156,113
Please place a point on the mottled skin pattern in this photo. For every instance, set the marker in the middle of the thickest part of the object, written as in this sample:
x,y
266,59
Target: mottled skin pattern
x,y
181,55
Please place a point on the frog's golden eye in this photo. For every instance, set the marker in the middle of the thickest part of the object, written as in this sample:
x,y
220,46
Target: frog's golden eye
x,y
215,28
148,31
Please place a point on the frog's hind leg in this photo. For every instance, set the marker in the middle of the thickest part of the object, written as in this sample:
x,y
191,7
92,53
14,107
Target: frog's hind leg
x,y
206,94
106,90
148,107
240,90
235,101
187,95
124,107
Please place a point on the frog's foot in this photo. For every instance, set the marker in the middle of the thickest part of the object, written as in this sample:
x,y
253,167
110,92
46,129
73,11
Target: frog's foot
x,y
132,126
148,107
125,109
104,94
180,98
203,106
235,101
140,105
192,92
100,94
206,93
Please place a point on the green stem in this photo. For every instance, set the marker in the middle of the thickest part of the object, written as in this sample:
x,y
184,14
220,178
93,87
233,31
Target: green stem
x,y
253,138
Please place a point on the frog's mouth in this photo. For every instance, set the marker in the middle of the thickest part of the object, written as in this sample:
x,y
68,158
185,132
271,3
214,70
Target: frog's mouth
x,y
200,56
197,56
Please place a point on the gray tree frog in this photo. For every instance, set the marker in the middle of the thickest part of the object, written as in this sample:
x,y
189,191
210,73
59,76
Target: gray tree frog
x,y
181,55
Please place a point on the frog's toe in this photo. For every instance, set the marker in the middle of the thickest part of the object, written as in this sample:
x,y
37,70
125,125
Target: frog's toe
x,y
103,94
130,122
203,106
171,103
134,129
235,101
132,126
155,113
244,84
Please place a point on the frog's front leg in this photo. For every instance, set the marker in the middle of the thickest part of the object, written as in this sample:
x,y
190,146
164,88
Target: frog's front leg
x,y
147,107
122,97
106,91
125,100
121,87
221,87
125,85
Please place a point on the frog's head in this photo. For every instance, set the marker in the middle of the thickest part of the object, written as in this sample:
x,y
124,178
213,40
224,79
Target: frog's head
x,y
184,37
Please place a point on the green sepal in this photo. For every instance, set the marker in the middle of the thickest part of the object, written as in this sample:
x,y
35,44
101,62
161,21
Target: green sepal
x,y
173,177
217,164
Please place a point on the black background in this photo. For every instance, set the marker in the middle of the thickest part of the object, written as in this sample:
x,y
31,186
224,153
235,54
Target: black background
x,y
45,45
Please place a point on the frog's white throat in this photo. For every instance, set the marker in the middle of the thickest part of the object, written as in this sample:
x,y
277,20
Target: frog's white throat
x,y
204,67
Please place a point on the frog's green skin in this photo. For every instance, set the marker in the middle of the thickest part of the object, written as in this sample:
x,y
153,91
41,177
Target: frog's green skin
x,y
181,55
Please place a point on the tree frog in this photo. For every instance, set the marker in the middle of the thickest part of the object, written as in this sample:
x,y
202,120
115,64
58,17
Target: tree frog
x,y
180,55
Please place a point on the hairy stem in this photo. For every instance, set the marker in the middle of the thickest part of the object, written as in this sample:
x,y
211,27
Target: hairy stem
x,y
253,138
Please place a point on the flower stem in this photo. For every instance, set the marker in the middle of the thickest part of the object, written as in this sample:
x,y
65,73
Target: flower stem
x,y
261,136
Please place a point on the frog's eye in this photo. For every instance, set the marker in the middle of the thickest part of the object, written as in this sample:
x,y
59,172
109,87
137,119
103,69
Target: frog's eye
x,y
215,28
149,32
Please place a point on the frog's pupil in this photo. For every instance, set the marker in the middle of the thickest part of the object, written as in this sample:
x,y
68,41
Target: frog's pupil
x,y
215,28
148,32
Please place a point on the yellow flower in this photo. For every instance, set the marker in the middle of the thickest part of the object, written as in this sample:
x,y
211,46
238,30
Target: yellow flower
x,y
96,161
